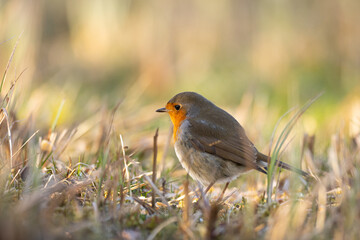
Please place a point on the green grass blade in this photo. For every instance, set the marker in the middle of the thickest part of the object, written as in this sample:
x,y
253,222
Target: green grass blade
x,y
280,142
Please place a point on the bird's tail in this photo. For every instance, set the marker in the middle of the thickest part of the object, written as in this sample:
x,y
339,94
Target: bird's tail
x,y
262,159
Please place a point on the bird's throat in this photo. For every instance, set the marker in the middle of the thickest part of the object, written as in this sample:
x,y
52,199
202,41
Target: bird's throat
x,y
176,119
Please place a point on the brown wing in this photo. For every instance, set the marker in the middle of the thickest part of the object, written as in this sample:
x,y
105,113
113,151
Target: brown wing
x,y
229,143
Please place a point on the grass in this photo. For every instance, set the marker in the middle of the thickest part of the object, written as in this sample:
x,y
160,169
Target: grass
x,y
279,145
85,183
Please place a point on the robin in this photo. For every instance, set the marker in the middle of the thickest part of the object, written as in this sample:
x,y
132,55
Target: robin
x,y
210,144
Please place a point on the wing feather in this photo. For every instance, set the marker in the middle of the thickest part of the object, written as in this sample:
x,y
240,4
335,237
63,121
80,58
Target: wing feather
x,y
233,146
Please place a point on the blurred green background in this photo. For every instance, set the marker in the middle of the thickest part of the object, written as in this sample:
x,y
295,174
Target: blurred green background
x,y
105,66
271,54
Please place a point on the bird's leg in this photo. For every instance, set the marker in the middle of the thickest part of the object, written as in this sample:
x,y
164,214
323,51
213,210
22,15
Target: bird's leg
x,y
208,188
223,192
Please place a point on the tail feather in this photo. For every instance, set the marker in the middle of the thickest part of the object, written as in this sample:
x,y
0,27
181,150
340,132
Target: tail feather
x,y
263,160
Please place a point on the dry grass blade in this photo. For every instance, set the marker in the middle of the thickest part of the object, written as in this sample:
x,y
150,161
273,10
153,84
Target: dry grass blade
x,y
9,63
154,166
8,95
166,150
127,174
25,143
151,210
160,227
6,116
158,192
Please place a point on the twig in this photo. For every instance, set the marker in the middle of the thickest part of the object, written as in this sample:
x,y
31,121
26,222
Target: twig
x,y
186,210
186,202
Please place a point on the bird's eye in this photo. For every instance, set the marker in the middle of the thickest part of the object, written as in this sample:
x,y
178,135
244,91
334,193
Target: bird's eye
x,y
177,107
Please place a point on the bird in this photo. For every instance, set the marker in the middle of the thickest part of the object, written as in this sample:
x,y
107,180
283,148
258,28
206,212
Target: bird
x,y
211,144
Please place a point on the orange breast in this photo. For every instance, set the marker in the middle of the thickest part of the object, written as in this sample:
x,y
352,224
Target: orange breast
x,y
176,118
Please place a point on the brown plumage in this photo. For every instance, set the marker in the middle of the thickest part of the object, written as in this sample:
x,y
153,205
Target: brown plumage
x,y
210,144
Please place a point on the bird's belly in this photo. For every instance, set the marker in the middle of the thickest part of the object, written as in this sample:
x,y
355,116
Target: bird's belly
x,y
204,167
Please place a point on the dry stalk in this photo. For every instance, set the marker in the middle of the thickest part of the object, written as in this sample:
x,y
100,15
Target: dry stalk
x,y
157,191
154,167
166,149
186,210
212,217
6,116
160,227
145,205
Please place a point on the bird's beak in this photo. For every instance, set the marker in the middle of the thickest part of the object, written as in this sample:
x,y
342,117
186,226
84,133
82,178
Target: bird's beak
x,y
162,110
